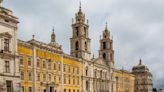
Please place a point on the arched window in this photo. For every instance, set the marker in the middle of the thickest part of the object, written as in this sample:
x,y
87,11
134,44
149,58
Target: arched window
x,y
87,85
77,31
77,45
85,32
104,45
85,45
104,56
86,71
105,36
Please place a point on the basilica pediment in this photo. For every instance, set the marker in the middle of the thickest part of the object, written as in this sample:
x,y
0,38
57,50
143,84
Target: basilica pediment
x,y
6,34
99,60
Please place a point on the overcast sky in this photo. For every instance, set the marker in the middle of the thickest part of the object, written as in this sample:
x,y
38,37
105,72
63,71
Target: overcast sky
x,y
137,27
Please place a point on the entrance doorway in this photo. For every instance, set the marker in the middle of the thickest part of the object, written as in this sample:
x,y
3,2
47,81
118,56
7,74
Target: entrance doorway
x,y
44,90
51,89
9,86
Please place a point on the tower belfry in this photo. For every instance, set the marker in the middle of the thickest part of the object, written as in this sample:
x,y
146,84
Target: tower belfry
x,y
80,41
106,47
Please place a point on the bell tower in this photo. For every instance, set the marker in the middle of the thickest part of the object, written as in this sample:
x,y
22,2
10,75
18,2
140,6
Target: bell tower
x,y
80,41
106,48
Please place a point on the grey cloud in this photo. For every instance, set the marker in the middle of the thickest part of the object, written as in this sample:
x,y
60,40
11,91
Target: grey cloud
x,y
137,27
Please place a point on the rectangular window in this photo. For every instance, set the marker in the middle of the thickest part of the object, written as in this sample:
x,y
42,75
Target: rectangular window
x,y
44,64
69,79
49,77
38,76
30,76
59,67
54,78
77,70
21,60
64,68
54,66
9,86
7,66
6,45
22,75
44,77
73,79
59,79
22,88
69,69
38,62
29,61
49,64
77,80
73,70
64,79
29,89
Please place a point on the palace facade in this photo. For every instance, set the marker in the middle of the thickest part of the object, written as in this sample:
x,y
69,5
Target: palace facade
x,y
35,66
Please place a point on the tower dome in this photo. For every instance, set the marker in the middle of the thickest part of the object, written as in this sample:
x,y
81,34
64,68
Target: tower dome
x,y
143,78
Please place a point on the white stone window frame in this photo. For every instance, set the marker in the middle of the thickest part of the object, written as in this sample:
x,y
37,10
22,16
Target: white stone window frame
x,y
54,78
49,77
31,75
64,68
4,36
30,89
44,79
4,68
69,69
54,66
49,60
44,60
30,60
38,59
21,55
21,75
38,76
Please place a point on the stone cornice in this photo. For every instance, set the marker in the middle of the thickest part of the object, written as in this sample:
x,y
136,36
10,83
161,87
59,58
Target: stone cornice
x,y
71,57
123,71
1,74
8,55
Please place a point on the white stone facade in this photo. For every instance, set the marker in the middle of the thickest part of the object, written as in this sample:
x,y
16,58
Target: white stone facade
x,y
9,70
97,72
